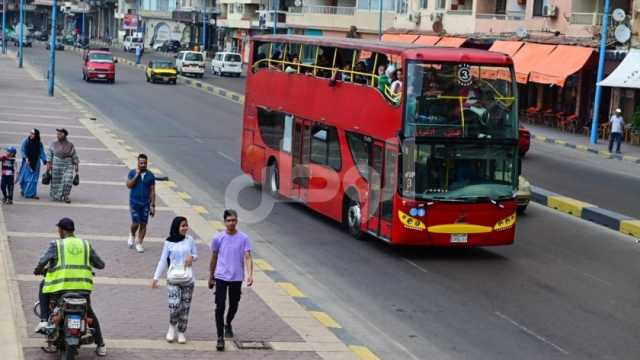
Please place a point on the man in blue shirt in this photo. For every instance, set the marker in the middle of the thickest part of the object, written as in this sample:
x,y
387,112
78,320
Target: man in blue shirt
x,y
142,200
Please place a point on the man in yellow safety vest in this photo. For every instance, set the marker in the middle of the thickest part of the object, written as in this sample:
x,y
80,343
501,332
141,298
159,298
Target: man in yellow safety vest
x,y
69,263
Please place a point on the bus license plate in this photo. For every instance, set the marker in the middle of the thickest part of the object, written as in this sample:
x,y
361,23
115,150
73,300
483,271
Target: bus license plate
x,y
458,238
73,322
102,76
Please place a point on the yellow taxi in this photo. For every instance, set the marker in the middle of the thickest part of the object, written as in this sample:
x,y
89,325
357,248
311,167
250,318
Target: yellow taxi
x,y
161,71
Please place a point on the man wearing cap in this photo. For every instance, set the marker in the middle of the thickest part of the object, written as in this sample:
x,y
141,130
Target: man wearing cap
x,y
8,168
68,275
617,124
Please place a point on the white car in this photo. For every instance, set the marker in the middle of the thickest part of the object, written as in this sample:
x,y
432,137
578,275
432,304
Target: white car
x,y
132,42
226,63
190,63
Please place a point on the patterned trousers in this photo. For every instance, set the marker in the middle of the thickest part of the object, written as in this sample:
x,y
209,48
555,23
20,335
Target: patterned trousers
x,y
179,305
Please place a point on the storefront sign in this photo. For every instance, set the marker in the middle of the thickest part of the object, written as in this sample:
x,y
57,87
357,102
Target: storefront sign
x,y
130,21
183,16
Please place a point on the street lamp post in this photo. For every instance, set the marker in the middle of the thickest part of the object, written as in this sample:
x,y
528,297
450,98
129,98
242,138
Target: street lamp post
x,y
4,27
52,49
204,26
21,39
600,75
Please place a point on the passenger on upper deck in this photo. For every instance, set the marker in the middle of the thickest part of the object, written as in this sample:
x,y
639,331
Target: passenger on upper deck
x,y
396,85
359,76
383,79
294,67
323,65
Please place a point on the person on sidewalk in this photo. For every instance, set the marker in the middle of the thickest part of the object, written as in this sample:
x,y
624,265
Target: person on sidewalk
x,y
32,152
178,253
617,126
62,159
142,201
230,262
8,167
71,272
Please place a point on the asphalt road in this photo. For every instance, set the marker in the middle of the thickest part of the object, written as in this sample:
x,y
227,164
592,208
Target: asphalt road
x,y
567,289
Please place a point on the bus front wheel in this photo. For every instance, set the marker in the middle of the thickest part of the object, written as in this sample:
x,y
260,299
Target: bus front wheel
x,y
353,218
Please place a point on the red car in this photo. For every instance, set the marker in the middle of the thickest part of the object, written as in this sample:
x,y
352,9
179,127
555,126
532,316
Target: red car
x,y
524,141
99,65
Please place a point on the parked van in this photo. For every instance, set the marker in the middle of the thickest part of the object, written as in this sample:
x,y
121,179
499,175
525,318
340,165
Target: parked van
x,y
132,42
226,63
190,63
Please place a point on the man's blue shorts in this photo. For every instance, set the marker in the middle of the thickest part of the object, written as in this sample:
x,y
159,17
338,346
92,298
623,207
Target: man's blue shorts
x,y
139,213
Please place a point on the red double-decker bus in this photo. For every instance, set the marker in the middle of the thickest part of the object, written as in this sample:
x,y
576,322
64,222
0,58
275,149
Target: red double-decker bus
x,y
414,145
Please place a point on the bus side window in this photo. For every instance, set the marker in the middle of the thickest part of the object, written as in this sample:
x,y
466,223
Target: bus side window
x,y
359,153
272,125
260,53
325,147
308,58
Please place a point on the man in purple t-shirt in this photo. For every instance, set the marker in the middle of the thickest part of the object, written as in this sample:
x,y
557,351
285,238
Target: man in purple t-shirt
x,y
231,256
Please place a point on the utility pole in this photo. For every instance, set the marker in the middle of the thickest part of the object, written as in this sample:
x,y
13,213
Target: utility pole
x,y
380,21
52,50
276,5
603,48
204,25
21,39
4,27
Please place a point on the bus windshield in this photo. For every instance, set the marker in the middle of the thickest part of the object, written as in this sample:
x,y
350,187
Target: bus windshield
x,y
459,172
460,101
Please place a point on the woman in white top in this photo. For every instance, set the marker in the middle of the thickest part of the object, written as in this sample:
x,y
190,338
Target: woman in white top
x,y
396,85
180,250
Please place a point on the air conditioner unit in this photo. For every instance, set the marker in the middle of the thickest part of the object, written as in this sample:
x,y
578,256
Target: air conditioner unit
x,y
435,17
550,10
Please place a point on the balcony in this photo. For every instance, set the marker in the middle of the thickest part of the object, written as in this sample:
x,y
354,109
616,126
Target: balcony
x,y
338,18
511,15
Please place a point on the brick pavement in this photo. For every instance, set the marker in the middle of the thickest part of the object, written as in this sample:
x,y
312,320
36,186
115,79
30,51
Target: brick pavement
x,y
134,317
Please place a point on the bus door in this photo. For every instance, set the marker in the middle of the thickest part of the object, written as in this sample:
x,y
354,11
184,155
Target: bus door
x,y
382,188
376,161
300,159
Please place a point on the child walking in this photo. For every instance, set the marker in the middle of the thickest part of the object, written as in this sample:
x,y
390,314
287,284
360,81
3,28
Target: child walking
x,y
178,253
8,161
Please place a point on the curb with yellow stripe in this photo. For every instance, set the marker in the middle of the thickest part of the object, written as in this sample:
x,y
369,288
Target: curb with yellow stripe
x,y
615,221
196,84
586,148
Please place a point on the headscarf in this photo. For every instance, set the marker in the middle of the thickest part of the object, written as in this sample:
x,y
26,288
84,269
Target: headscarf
x,y
174,233
62,149
33,149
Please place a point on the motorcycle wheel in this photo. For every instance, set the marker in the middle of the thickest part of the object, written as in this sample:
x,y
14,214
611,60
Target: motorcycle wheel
x,y
68,353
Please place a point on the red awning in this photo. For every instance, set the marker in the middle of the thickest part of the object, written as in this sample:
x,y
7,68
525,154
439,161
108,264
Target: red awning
x,y
399,38
506,47
527,57
561,63
427,40
451,42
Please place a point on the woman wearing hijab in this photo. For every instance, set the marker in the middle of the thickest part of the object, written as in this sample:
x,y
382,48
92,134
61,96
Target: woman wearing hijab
x,y
180,250
62,160
32,152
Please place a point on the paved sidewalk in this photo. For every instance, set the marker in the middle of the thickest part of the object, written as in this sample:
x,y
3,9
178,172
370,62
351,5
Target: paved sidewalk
x,y
133,317
580,142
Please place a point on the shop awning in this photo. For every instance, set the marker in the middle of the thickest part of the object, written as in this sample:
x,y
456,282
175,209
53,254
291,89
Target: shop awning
x,y
527,57
506,47
399,38
627,74
451,42
561,63
427,40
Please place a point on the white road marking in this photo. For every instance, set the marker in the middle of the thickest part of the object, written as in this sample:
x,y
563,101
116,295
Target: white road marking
x,y
227,157
531,332
415,265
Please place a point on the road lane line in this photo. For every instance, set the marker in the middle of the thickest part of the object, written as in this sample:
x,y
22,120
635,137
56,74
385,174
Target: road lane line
x,y
415,265
227,157
531,332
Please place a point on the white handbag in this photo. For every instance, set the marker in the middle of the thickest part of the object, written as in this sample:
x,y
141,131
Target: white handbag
x,y
179,274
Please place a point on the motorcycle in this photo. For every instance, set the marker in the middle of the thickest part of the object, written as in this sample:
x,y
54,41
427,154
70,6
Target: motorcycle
x,y
69,325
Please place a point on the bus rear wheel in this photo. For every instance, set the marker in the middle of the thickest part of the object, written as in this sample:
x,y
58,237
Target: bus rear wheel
x,y
353,218
273,179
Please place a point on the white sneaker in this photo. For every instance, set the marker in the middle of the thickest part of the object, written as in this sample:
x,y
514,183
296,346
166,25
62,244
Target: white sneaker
x,y
101,350
181,338
171,333
130,241
139,248
41,326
